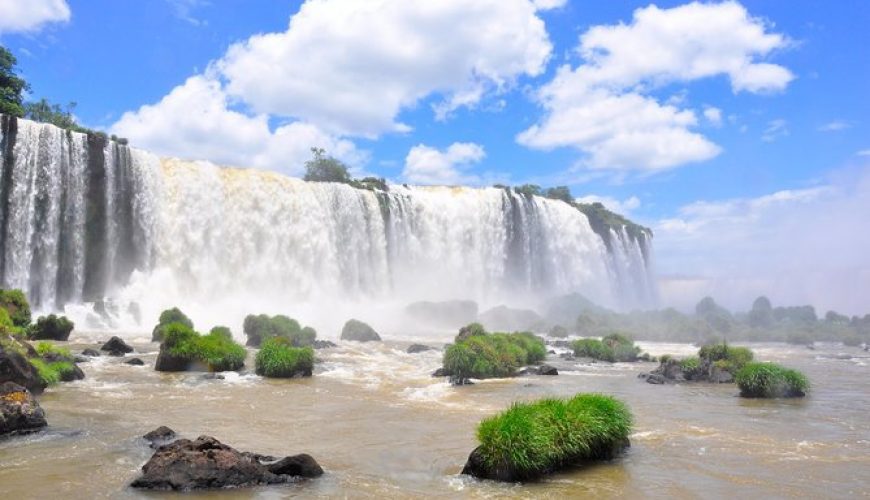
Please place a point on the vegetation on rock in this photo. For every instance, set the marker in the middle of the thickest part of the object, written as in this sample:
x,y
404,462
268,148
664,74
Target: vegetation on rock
x,y
261,327
217,351
278,358
613,348
15,303
50,327
532,439
770,380
478,354
168,317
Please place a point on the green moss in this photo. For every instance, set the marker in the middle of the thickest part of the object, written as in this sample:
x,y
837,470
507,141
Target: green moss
x,y
15,303
50,327
217,350
261,327
769,380
46,349
530,439
278,358
491,355
168,317
51,373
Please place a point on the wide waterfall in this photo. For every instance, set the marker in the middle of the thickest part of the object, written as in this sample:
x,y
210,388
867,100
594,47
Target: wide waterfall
x,y
83,218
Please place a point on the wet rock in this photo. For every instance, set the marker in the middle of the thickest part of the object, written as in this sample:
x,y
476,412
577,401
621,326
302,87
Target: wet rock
x,y
206,463
720,376
538,370
19,411
159,436
324,344
168,363
15,368
93,353
75,374
81,359
134,362
415,348
441,372
116,347
359,331
457,381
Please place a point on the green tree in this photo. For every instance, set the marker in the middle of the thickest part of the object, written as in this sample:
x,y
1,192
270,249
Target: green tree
x,y
761,314
11,85
46,112
560,193
528,190
324,168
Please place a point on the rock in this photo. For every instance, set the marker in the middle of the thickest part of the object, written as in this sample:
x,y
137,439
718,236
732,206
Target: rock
x,y
91,352
81,359
159,436
441,372
359,331
116,347
503,318
134,362
547,370
720,376
206,463
75,374
302,465
456,381
15,368
447,314
168,363
324,344
19,411
213,376
654,378
568,356
415,348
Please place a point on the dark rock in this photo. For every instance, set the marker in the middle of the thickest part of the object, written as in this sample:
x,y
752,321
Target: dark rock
x,y
116,347
324,344
19,411
75,374
134,362
302,465
441,372
206,463
457,381
551,352
159,436
415,348
14,367
547,370
359,331
81,359
168,363
91,352
654,378
213,376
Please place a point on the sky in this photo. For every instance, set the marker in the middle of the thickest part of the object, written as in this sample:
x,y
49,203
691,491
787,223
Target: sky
x,y
737,131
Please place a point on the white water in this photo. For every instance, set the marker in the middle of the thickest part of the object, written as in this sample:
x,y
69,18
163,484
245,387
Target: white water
x,y
224,242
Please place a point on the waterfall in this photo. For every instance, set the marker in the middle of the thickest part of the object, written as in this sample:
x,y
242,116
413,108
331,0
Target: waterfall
x,y
82,218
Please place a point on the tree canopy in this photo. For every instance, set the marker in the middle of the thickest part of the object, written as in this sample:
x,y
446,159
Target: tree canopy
x,y
11,85
325,168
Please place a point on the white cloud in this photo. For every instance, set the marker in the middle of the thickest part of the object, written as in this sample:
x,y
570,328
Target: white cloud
x,y
351,67
194,121
776,129
184,10
601,107
863,152
31,15
427,165
835,126
796,246
623,207
713,115
549,4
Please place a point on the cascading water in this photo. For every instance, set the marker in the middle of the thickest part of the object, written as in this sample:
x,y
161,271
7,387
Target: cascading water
x,y
82,218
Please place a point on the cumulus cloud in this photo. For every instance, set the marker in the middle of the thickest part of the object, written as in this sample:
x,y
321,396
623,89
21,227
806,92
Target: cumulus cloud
x,y
796,246
350,67
713,115
31,15
195,121
603,108
427,165
623,207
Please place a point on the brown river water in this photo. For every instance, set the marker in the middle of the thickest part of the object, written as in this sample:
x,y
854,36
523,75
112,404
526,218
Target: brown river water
x,y
381,427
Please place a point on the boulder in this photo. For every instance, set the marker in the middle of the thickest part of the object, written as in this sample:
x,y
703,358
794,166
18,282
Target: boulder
x,y
447,314
415,348
116,347
324,344
14,367
159,436
93,353
168,363
134,362
19,411
358,331
538,370
441,372
75,374
206,463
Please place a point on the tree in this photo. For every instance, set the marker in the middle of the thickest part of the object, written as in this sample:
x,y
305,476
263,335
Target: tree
x,y
11,85
323,168
528,190
560,193
761,315
46,112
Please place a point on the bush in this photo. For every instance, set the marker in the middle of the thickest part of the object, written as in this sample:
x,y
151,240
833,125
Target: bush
x,y
50,327
593,348
691,367
769,380
531,439
216,350
491,355
15,303
261,327
614,347
279,359
734,357
222,331
168,317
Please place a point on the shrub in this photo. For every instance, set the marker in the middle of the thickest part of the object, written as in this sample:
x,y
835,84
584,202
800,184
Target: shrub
x,y
531,439
50,327
470,330
593,348
168,317
769,380
614,347
260,327
218,351
15,303
52,373
222,331
279,359
491,355
734,357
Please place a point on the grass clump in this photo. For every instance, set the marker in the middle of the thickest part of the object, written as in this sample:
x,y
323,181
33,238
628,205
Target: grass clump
x,y
278,358
532,439
168,317
614,347
16,305
216,350
261,327
491,355
727,357
50,327
48,350
52,373
770,380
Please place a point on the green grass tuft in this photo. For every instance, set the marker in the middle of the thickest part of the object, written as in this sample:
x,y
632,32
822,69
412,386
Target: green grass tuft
x,y
770,380
491,355
732,358
279,359
51,373
261,327
531,439
216,349
614,347
48,349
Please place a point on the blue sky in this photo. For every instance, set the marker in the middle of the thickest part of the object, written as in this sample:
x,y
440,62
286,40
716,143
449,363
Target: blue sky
x,y
701,143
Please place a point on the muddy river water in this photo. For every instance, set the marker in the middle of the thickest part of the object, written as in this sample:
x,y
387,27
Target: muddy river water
x,y
382,427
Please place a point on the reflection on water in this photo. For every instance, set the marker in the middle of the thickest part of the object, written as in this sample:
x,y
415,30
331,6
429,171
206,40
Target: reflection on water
x,y
382,427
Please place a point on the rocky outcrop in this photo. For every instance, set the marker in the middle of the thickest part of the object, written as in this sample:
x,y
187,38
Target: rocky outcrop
x,y
159,436
93,353
166,362
324,344
416,348
672,371
134,362
116,347
206,463
19,411
358,331
14,367
538,370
